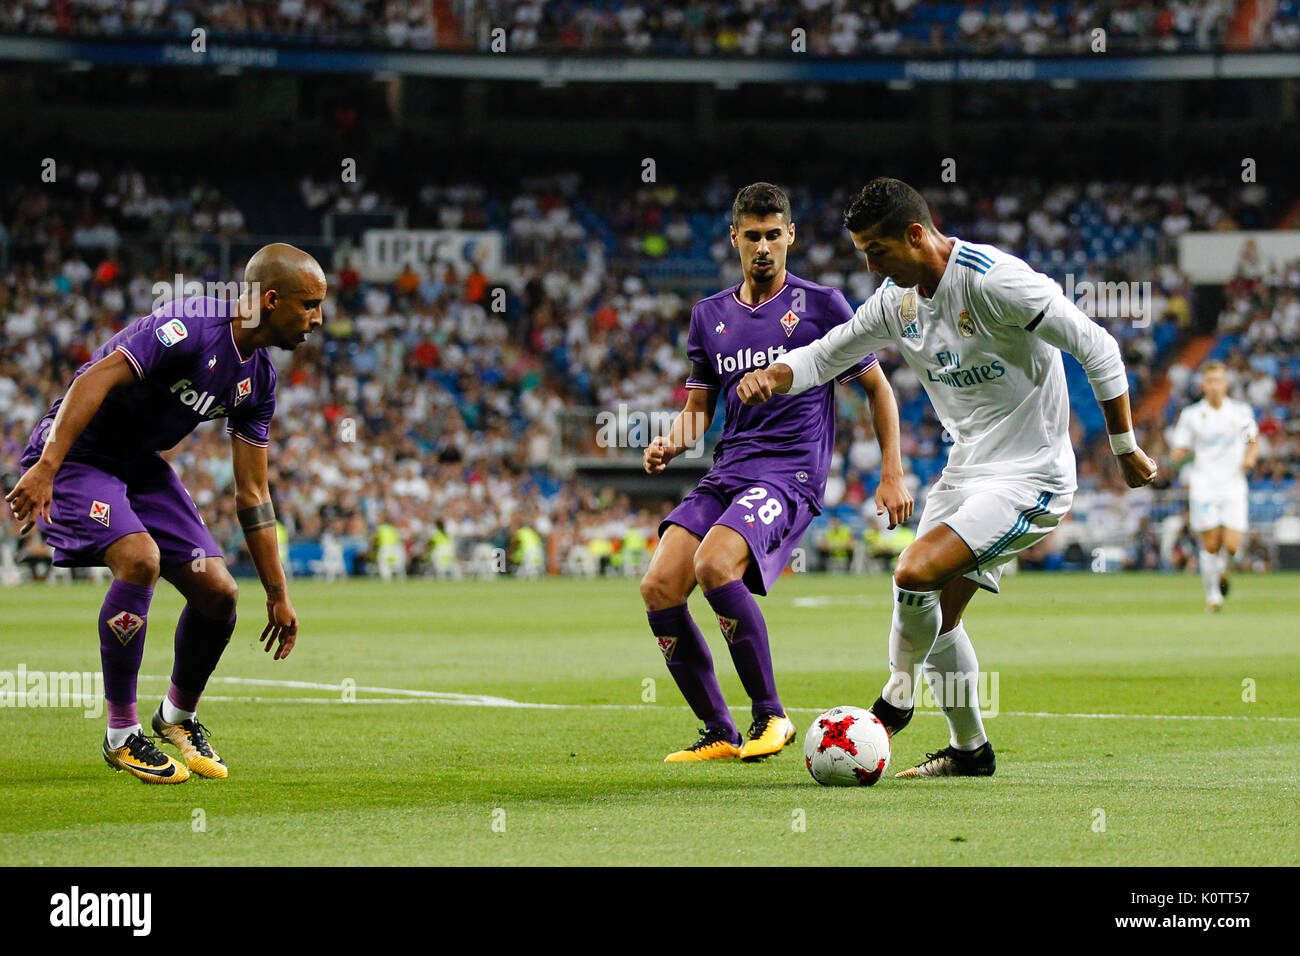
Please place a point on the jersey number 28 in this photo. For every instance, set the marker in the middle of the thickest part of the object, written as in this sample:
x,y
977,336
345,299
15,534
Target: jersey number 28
x,y
770,510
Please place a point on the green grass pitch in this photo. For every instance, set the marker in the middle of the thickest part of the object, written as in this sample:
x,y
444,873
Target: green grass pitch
x,y
316,780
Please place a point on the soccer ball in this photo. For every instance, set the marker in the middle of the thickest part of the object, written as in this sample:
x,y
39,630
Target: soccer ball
x,y
846,747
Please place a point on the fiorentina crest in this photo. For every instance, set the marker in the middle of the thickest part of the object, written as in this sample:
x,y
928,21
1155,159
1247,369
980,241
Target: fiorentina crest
x,y
125,625
728,625
99,511
667,645
788,322
243,390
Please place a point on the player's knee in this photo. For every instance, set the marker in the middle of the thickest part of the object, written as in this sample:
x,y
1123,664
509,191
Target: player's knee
x,y
219,601
713,570
658,593
914,574
139,564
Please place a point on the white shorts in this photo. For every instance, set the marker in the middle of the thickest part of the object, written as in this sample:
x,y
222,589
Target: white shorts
x,y
1229,509
997,522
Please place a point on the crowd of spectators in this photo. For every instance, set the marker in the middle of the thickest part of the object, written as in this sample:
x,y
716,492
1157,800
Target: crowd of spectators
x,y
1258,337
391,23
701,27
422,408
865,27
1259,340
105,205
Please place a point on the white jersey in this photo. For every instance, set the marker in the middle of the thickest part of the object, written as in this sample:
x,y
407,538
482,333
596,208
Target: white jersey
x,y
1217,439
986,348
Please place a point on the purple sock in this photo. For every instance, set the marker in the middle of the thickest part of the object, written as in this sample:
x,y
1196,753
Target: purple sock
x,y
199,645
122,715
122,622
691,665
743,626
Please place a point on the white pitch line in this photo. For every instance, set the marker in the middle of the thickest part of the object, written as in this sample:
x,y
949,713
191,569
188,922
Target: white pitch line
x,y
413,696
1032,713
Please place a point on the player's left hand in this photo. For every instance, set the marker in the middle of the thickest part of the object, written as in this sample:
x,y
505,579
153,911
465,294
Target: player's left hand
x,y
893,499
282,625
1137,467
32,497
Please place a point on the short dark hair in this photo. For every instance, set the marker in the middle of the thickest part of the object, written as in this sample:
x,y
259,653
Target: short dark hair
x,y
889,206
760,199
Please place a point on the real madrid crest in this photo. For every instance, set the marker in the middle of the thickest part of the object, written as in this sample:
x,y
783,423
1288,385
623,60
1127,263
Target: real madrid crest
x,y
965,324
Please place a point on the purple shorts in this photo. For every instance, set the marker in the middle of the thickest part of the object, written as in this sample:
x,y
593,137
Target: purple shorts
x,y
93,507
769,516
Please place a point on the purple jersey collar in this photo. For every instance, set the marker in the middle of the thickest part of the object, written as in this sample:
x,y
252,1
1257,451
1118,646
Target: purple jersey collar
x,y
235,345
735,294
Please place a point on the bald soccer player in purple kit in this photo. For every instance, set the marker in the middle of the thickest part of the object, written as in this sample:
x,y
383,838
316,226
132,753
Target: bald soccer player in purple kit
x,y
101,494
735,533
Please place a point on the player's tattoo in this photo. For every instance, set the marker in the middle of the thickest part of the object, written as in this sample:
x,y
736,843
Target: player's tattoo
x,y
256,518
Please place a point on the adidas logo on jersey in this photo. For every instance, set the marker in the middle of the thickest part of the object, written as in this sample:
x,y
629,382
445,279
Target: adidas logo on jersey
x,y
749,358
201,402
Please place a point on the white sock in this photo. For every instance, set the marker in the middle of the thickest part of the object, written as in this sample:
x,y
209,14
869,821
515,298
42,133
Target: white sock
x,y
172,714
952,671
117,735
915,626
1225,561
1210,577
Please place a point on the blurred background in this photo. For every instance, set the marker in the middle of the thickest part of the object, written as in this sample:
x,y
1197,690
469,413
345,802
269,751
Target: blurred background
x,y
517,204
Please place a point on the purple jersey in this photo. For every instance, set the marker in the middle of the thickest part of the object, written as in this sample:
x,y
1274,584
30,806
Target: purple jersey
x,y
188,371
789,438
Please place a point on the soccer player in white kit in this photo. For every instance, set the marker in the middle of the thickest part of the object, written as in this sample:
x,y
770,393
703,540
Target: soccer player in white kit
x,y
1221,436
984,332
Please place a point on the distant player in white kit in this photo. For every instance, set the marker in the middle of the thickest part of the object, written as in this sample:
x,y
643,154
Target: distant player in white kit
x,y
1221,436
984,332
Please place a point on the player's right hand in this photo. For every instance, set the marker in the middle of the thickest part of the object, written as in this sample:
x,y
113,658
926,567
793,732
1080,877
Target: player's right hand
x,y
1137,467
756,387
657,455
32,496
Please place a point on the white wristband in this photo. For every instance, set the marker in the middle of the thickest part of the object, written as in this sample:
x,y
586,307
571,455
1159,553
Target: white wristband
x,y
1123,443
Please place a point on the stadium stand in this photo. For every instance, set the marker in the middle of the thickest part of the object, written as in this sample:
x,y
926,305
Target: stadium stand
x,y
423,411
833,28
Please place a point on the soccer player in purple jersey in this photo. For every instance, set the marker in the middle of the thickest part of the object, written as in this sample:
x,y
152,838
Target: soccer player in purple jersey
x,y
96,486
735,532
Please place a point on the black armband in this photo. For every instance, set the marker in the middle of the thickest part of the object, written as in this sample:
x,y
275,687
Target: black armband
x,y
703,372
257,518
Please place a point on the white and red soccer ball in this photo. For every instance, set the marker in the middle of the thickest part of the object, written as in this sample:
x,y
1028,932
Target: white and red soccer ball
x,y
846,747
